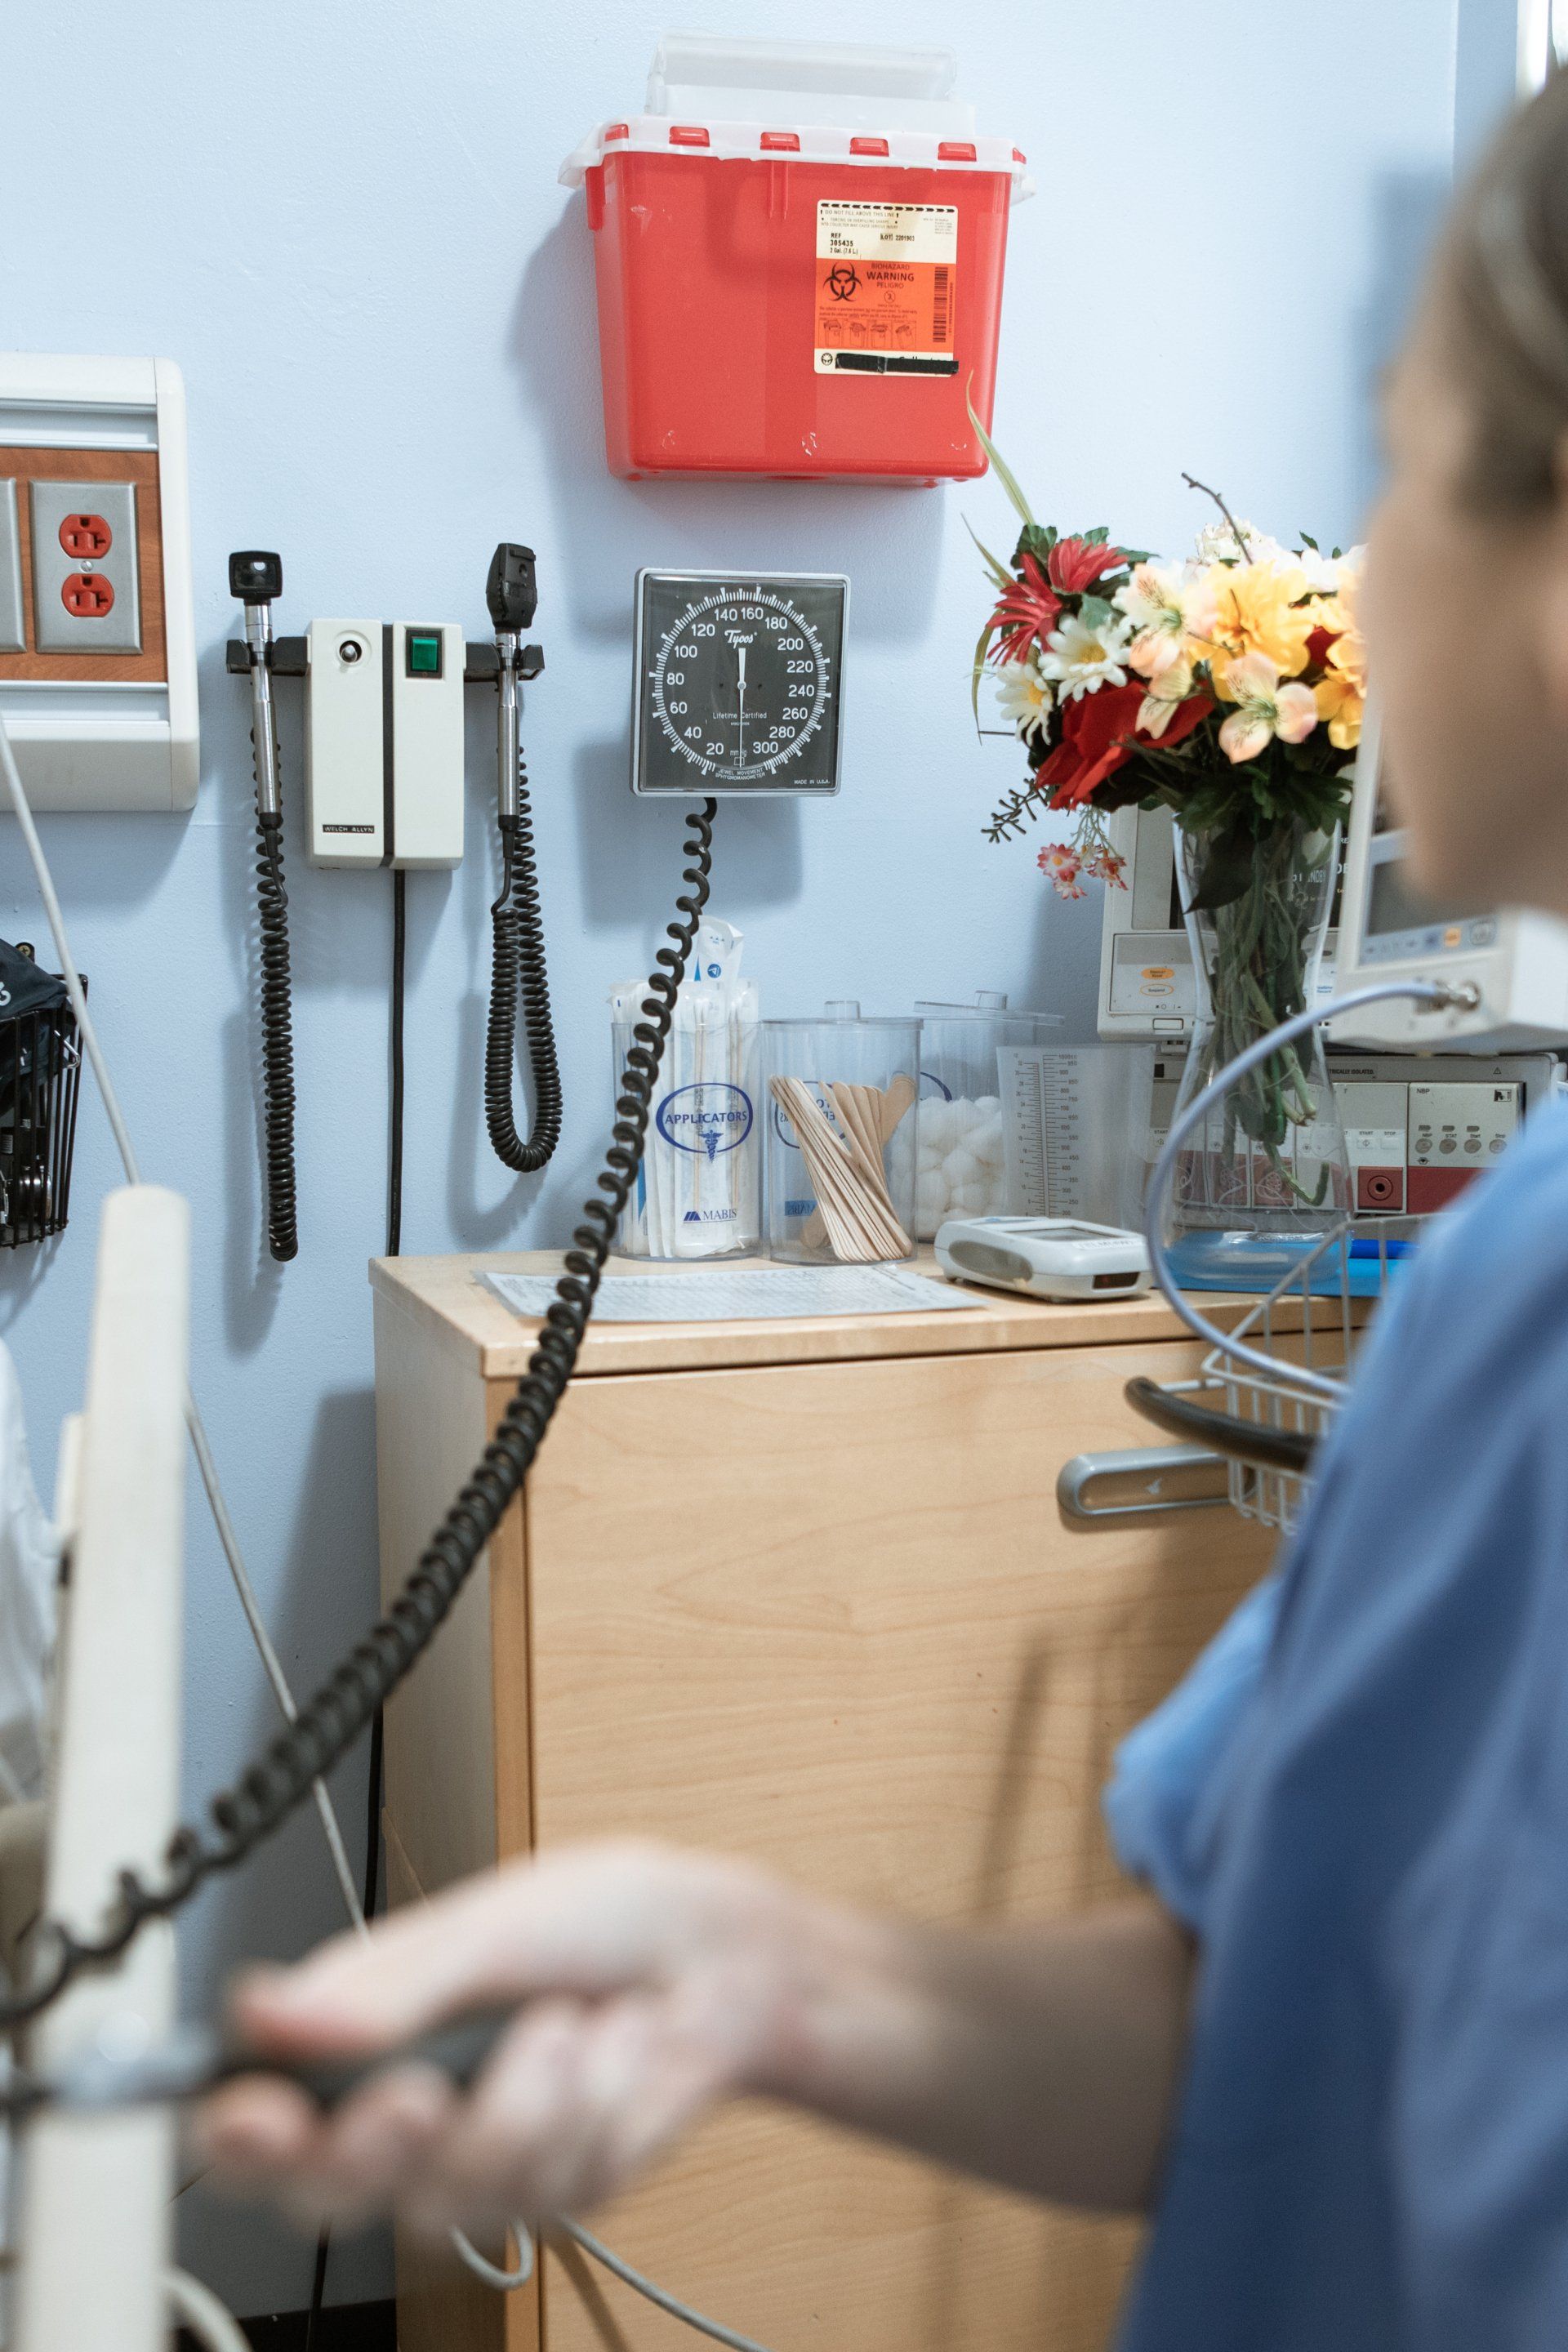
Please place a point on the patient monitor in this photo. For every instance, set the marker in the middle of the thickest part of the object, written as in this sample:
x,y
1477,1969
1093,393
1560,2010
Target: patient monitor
x,y
1515,960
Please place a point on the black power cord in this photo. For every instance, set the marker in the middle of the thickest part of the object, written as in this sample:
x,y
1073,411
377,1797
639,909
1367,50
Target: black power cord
x,y
277,1039
393,1247
332,1719
517,971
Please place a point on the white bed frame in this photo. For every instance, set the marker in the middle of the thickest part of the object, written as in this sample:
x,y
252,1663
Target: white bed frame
x,y
95,2213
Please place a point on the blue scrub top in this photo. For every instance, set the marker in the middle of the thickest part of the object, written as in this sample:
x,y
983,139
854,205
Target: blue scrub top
x,y
1360,1803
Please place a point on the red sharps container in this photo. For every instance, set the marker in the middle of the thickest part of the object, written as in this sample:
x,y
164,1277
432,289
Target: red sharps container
x,y
799,251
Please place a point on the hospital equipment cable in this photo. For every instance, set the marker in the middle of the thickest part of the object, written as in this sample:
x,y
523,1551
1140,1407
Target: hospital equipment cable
x,y
394,1110
568,1315
256,577
572,1311
516,965
330,1723
1463,997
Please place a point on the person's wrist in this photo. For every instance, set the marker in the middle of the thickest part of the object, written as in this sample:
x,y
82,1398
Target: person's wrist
x,y
829,1981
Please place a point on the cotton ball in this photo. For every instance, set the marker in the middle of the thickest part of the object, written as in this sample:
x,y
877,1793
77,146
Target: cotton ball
x,y
959,1167
986,1144
930,1156
936,1123
989,1107
931,1203
971,1200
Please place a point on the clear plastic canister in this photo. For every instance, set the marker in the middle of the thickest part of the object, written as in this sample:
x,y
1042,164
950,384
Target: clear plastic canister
x,y
841,1106
961,1169
698,1192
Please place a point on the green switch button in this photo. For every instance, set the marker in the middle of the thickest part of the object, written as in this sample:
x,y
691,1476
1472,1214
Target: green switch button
x,y
424,653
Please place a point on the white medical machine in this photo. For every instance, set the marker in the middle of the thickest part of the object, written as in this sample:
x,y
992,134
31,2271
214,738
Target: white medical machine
x,y
1045,1257
1147,990
1509,965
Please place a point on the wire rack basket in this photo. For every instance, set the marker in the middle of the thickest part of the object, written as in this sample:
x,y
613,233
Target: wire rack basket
x,y
1308,1322
40,1079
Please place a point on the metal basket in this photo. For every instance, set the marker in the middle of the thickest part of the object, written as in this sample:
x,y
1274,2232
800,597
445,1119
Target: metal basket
x,y
1321,1293
40,1079
1264,1411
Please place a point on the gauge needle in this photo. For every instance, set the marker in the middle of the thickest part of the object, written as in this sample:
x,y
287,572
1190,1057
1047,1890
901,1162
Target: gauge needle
x,y
741,704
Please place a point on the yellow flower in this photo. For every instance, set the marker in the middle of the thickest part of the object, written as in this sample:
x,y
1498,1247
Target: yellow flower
x,y
1340,692
1258,610
1342,706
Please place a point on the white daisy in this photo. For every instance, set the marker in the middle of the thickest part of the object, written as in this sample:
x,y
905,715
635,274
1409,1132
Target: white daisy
x,y
1216,544
1024,697
1082,659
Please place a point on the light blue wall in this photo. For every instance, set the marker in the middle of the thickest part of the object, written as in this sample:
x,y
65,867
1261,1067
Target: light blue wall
x,y
344,222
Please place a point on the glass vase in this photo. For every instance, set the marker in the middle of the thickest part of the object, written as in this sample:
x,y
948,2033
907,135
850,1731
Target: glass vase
x,y
1266,1175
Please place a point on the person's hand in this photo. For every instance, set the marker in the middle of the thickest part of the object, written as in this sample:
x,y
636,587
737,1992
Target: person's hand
x,y
649,1983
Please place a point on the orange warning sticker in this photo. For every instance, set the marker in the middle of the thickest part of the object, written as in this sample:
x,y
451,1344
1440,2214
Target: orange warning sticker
x,y
886,287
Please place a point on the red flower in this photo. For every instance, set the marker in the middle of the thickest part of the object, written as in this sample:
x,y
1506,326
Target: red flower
x,y
1077,563
1099,734
1318,645
1026,611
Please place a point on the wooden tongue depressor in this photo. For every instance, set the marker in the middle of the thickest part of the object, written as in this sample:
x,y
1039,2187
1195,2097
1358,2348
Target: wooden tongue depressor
x,y
824,1157
859,1223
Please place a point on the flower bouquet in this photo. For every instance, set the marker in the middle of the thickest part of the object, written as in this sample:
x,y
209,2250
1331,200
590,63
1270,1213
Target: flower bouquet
x,y
1230,689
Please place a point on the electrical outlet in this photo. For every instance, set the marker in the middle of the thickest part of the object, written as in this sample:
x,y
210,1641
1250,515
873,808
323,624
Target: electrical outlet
x,y
85,589
13,633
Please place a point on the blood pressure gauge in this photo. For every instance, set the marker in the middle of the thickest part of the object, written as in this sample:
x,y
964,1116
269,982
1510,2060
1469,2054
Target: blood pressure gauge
x,y
738,682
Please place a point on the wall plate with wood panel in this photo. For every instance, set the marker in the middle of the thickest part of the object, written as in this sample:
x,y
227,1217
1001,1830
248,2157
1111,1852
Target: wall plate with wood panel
x,y
98,672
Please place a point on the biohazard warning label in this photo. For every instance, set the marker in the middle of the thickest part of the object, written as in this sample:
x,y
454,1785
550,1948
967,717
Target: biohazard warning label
x,y
885,286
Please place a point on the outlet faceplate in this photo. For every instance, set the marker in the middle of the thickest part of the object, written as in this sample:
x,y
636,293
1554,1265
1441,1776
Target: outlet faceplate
x,y
13,631
64,576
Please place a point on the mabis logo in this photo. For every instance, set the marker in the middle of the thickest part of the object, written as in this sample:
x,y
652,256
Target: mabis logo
x,y
711,1118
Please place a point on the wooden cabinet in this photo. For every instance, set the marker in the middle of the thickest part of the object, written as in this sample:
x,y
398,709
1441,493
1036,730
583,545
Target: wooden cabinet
x,y
802,1591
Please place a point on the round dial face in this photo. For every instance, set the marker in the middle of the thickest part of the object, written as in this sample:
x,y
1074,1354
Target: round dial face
x,y
737,683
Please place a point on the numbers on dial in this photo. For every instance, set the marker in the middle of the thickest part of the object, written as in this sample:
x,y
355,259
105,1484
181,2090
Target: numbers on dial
x,y
739,683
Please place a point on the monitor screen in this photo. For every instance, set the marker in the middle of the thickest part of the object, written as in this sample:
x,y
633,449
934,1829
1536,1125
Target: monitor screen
x,y
1392,906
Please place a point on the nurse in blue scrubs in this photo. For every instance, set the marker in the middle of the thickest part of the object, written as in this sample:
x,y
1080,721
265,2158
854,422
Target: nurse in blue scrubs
x,y
1328,2048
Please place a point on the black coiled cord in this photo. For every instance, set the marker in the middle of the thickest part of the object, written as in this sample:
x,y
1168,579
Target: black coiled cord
x,y
276,1038
328,1725
518,970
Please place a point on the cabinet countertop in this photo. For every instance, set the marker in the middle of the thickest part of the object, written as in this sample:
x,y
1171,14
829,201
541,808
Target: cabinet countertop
x,y
447,1295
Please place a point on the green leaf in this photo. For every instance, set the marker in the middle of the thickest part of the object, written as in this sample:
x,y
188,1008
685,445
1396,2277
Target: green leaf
x,y
982,648
1099,536
1228,868
1308,540
999,573
1096,612
998,464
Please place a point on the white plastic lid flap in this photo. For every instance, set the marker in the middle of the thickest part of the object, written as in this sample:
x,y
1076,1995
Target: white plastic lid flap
x,y
703,77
